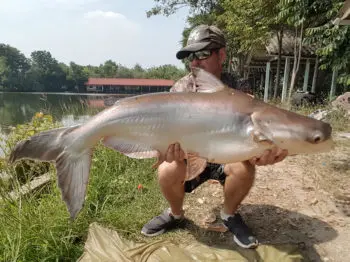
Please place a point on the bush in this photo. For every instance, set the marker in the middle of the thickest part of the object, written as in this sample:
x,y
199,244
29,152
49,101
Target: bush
x,y
25,170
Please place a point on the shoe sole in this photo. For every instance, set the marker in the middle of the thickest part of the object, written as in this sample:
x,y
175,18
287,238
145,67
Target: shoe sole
x,y
239,243
153,234
253,245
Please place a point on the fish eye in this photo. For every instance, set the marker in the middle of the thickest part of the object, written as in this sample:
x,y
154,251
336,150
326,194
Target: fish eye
x,y
317,139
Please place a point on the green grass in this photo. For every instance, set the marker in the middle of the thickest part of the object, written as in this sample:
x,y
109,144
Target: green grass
x,y
38,228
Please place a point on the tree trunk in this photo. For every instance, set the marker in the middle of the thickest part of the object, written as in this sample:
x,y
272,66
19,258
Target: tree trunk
x,y
277,83
229,64
297,56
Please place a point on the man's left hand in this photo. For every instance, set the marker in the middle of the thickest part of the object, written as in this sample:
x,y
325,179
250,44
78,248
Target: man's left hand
x,y
269,157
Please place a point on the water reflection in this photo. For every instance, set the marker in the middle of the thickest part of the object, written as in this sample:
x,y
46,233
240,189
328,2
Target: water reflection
x,y
69,109
19,108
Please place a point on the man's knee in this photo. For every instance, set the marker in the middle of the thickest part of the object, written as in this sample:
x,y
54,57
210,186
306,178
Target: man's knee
x,y
172,173
241,169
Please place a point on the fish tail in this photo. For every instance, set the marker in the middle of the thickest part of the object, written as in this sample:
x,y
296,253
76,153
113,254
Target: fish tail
x,y
72,164
44,146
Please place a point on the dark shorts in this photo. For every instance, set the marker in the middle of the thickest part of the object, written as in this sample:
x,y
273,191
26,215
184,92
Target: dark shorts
x,y
212,171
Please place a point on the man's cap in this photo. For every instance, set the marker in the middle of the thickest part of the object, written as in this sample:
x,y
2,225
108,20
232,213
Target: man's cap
x,y
202,37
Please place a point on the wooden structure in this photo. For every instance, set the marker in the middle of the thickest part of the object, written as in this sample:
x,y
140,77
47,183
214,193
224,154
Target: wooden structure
x,y
262,66
34,185
127,85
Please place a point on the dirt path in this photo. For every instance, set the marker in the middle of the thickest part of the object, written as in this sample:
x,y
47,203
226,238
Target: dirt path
x,y
292,202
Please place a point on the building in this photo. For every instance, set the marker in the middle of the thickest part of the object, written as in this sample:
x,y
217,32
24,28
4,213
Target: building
x,y
261,66
128,85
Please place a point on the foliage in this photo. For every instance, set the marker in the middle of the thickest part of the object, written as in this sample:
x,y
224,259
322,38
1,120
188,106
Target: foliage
x,y
249,24
333,44
25,170
169,7
42,72
13,67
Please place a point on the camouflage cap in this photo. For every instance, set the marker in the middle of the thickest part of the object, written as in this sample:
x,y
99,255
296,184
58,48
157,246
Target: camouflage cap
x,y
202,37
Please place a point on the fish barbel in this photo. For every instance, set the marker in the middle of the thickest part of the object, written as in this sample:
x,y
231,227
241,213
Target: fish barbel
x,y
215,124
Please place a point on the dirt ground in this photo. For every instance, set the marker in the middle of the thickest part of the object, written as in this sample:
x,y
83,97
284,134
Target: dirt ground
x,y
302,200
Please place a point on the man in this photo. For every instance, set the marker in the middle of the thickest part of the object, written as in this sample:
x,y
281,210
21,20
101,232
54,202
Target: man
x,y
206,49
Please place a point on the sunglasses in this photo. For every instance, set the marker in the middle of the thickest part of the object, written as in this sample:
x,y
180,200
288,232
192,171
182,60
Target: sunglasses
x,y
200,55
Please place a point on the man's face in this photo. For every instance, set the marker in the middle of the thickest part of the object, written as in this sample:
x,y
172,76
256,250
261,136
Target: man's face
x,y
209,60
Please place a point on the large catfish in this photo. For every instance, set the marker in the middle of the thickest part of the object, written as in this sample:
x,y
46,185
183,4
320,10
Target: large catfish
x,y
215,124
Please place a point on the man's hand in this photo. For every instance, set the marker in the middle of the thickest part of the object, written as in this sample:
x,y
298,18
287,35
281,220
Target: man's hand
x,y
174,153
269,157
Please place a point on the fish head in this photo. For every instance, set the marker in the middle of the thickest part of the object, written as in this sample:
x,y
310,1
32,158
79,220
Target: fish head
x,y
297,133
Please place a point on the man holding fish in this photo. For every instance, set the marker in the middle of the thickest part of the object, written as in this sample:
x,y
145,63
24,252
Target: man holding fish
x,y
206,49
205,123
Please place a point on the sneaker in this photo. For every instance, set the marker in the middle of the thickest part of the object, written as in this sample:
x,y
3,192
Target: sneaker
x,y
159,224
242,234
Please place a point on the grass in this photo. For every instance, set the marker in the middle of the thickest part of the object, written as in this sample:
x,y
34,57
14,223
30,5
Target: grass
x,y
37,227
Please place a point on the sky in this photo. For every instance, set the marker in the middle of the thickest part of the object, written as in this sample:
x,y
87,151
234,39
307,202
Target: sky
x,y
93,31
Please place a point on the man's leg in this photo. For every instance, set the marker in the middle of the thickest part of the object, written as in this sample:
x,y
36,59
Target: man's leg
x,y
239,180
171,180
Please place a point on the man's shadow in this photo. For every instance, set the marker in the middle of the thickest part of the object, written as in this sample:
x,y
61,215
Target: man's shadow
x,y
274,226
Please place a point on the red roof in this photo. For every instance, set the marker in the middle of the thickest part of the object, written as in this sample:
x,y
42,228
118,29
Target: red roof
x,y
128,82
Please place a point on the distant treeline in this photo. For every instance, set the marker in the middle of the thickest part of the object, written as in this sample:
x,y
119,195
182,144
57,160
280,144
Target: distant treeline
x,y
42,72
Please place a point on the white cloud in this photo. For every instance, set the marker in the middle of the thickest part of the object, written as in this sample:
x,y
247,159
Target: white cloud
x,y
103,14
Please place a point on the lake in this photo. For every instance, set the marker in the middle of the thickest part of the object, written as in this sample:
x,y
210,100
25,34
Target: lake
x,y
67,108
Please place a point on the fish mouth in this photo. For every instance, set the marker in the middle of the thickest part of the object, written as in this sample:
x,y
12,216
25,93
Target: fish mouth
x,y
321,134
312,147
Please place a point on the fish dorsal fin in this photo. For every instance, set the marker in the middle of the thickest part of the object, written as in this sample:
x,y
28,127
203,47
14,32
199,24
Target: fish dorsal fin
x,y
195,166
206,82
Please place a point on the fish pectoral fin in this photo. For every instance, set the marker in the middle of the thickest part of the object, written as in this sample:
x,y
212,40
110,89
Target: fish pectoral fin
x,y
206,82
260,138
131,149
160,159
195,165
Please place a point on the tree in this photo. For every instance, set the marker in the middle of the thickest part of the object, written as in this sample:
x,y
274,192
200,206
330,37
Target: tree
x,y
248,26
77,76
45,73
13,68
302,14
109,69
165,72
169,7
139,72
4,71
333,44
